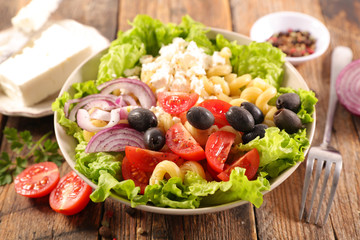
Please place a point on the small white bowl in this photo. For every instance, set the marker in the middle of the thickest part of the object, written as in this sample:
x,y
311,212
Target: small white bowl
x,y
277,22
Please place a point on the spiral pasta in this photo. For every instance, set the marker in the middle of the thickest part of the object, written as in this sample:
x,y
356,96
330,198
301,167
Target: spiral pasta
x,y
163,168
256,91
193,167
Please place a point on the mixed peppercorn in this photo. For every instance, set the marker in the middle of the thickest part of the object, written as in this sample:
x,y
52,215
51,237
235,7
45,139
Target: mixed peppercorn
x,y
294,43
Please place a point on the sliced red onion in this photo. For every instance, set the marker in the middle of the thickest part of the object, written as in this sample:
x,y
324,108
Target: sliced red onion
x,y
106,115
142,91
115,139
99,98
348,87
101,115
129,100
84,120
101,104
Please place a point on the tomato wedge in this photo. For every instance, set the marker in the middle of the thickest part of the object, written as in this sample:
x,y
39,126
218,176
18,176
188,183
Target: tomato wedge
x,y
146,160
130,171
180,141
250,161
217,149
176,102
71,195
218,108
37,180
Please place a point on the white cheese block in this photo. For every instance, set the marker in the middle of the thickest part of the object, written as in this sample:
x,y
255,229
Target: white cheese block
x,y
41,69
33,16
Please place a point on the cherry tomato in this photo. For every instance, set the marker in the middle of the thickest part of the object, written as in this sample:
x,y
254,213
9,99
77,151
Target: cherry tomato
x,y
217,149
37,180
177,102
130,171
71,195
218,108
180,141
146,160
250,161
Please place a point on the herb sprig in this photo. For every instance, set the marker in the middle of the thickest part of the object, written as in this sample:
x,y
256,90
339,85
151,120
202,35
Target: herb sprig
x,y
43,150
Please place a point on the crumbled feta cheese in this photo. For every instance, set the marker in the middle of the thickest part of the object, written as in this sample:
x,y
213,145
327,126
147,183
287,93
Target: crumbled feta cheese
x,y
133,71
180,67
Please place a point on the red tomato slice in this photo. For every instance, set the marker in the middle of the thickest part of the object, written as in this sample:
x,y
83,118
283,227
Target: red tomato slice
x,y
217,149
176,102
37,180
250,161
71,195
146,160
180,141
130,171
218,108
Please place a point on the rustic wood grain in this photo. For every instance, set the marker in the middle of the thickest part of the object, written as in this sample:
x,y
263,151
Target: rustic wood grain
x,y
277,218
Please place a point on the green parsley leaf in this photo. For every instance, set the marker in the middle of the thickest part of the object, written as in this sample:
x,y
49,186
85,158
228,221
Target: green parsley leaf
x,y
42,150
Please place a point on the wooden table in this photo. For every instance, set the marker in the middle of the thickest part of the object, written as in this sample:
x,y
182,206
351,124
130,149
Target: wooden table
x,y
277,218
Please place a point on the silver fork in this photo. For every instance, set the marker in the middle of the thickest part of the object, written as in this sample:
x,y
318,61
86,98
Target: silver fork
x,y
326,155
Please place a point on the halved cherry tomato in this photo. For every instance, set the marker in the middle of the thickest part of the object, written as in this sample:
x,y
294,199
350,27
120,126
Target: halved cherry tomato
x,y
218,108
71,195
217,149
250,161
180,141
37,180
176,102
146,160
130,171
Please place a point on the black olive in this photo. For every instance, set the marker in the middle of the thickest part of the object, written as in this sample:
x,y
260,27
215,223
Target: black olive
x,y
289,101
259,130
240,119
254,110
142,119
288,120
200,118
154,139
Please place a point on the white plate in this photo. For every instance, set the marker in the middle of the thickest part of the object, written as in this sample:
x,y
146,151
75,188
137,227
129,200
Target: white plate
x,y
12,108
67,143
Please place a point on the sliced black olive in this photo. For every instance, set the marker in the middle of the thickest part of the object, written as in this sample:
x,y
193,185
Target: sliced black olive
x,y
289,101
288,120
154,139
240,119
142,119
259,130
200,118
255,111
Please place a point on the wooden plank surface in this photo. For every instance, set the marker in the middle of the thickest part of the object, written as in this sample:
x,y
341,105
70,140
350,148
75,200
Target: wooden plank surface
x,y
277,218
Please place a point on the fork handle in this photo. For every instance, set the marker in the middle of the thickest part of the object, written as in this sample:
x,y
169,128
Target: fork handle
x,y
340,57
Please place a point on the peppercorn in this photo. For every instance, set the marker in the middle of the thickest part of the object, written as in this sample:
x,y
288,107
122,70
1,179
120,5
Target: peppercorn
x,y
294,43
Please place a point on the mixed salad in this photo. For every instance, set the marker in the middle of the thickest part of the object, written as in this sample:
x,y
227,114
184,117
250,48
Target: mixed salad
x,y
150,130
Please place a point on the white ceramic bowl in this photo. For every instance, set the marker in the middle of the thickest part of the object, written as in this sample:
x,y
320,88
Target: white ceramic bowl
x,y
276,22
88,71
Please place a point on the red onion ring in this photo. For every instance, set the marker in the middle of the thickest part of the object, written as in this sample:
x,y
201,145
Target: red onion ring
x,y
84,120
348,87
142,91
115,139
100,98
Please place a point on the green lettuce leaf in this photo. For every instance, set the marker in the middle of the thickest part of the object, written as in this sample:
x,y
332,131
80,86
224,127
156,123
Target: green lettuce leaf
x,y
237,188
278,150
91,164
257,59
71,127
308,102
107,183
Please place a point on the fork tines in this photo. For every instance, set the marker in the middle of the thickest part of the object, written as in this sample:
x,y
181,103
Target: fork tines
x,y
326,158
